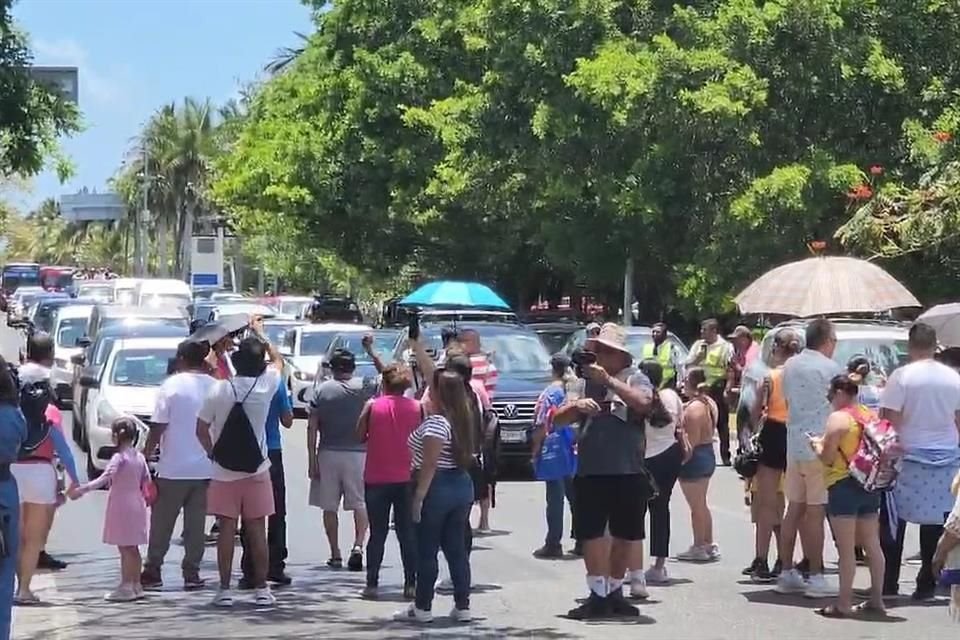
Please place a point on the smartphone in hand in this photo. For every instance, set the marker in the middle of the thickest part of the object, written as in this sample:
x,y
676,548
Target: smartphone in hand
x,y
413,330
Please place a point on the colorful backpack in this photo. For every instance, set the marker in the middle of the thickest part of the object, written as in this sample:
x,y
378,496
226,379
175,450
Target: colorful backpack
x,y
879,456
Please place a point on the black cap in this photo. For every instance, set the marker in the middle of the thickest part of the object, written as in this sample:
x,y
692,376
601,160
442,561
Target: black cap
x,y
343,360
560,361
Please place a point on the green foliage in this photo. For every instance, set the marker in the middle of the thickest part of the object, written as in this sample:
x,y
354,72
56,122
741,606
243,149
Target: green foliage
x,y
32,116
529,143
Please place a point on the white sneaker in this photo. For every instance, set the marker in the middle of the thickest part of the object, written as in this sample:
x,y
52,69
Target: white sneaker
x,y
121,594
638,588
790,582
264,598
694,554
713,550
655,575
819,587
223,598
412,614
460,615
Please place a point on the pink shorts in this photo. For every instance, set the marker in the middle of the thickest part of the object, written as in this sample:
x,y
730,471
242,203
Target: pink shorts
x,y
248,498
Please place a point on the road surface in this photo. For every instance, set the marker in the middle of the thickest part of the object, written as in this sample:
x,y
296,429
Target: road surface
x,y
516,595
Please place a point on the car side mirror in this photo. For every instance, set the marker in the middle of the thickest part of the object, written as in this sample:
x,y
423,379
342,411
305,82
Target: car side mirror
x,y
84,341
78,359
89,382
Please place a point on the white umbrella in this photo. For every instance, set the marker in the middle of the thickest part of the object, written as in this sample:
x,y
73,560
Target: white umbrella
x,y
945,318
825,285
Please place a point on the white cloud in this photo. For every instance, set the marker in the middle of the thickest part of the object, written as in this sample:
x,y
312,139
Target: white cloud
x,y
102,88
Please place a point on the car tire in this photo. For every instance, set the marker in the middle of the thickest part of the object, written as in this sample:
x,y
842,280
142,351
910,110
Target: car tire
x,y
92,472
77,430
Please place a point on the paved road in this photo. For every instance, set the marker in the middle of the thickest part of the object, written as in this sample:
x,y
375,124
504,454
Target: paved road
x,y
517,596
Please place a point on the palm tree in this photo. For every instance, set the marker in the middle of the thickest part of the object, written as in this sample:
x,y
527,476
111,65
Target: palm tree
x,y
286,56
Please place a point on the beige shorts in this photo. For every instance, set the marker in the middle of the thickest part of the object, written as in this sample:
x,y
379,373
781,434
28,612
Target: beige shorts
x,y
804,483
341,476
36,482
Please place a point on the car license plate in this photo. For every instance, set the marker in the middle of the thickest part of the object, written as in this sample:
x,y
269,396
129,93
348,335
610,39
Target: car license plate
x,y
513,436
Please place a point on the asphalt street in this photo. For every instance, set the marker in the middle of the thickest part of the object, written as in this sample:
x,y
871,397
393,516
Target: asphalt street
x,y
516,596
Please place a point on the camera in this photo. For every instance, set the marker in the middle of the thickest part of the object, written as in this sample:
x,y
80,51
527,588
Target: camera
x,y
582,358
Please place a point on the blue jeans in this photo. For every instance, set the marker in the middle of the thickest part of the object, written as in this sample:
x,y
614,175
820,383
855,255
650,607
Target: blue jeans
x,y
10,514
443,518
556,490
380,499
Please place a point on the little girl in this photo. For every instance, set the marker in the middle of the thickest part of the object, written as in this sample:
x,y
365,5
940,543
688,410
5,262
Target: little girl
x,y
125,522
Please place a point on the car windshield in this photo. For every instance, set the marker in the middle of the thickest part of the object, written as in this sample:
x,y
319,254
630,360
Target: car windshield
x,y
885,355
516,353
126,297
383,343
98,292
69,330
141,367
161,300
291,308
137,320
315,343
43,317
276,332
555,339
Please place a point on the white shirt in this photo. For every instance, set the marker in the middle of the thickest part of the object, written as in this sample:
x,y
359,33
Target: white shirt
x,y
220,401
927,394
179,401
659,439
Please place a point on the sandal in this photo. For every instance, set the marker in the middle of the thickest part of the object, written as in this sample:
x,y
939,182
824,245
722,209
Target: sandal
x,y
335,563
867,608
26,600
831,612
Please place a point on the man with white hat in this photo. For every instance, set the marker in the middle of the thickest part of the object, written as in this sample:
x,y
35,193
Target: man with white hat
x,y
611,482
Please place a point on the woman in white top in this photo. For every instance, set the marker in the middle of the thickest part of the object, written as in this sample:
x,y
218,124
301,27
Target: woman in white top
x,y
666,449
442,449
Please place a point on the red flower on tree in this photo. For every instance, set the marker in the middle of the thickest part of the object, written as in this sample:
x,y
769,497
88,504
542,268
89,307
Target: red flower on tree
x,y
860,192
876,170
943,136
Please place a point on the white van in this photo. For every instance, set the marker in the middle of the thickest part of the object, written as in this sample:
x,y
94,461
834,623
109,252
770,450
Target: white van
x,y
157,292
125,290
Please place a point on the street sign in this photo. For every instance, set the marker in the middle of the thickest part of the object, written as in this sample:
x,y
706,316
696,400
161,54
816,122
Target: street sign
x,y
62,79
90,207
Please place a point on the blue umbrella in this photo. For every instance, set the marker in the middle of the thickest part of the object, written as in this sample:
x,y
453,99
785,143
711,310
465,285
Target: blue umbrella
x,y
446,293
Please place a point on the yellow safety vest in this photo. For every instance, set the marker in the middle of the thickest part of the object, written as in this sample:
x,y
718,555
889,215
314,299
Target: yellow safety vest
x,y
713,365
664,357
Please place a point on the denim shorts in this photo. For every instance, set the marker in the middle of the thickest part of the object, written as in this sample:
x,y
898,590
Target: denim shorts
x,y
849,499
701,464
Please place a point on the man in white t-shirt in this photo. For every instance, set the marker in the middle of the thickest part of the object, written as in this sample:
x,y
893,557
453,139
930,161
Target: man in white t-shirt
x,y
922,401
246,495
183,470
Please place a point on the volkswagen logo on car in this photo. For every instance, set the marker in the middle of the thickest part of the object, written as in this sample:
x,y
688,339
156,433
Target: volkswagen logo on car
x,y
510,411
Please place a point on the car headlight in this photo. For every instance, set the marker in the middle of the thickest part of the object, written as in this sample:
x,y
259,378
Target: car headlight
x,y
107,414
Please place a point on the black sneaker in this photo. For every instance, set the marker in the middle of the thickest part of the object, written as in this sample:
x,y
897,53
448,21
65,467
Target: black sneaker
x,y
761,573
151,580
593,607
753,565
924,595
777,567
549,552
279,578
245,585
355,562
620,607
48,562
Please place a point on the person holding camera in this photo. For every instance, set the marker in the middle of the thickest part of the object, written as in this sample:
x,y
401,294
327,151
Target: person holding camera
x,y
611,482
337,454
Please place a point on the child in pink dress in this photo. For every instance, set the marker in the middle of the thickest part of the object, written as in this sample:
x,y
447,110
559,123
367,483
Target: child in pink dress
x,y
125,522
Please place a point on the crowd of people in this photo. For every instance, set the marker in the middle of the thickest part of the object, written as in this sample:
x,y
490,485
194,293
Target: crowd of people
x,y
413,450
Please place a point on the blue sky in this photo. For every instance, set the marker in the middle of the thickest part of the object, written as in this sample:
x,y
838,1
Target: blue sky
x,y
135,55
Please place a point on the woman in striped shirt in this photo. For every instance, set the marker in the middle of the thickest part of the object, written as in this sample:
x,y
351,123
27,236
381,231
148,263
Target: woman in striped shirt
x,y
442,449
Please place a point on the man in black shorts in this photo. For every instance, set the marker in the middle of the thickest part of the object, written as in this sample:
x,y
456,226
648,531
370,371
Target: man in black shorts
x,y
610,484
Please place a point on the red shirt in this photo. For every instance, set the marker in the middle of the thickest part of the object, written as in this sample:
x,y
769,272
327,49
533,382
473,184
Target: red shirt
x,y
484,371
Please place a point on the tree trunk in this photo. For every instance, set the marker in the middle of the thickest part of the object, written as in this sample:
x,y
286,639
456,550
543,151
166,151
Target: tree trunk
x,y
178,241
163,269
186,242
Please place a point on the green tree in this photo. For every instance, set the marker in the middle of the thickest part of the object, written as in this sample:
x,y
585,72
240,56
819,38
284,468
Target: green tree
x,y
32,116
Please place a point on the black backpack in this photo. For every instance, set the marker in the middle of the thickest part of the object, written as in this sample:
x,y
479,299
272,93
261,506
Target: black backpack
x,y
237,448
34,398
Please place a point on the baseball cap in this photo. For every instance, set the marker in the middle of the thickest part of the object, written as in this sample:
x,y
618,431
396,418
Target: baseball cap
x,y
741,331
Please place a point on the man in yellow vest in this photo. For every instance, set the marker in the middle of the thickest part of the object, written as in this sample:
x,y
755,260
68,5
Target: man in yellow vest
x,y
663,351
713,354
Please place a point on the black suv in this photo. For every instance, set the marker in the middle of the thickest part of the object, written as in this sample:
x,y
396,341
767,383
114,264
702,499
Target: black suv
x,y
523,366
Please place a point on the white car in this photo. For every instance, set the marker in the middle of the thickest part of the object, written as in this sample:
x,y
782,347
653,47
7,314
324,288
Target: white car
x,y
292,306
303,349
163,292
99,290
20,300
69,325
125,290
126,386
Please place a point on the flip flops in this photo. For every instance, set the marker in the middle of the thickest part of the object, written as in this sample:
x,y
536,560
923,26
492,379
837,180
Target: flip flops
x,y
831,611
335,563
